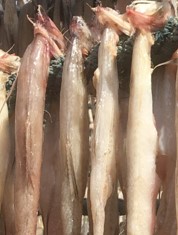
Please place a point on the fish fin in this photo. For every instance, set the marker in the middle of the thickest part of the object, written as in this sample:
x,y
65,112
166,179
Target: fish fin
x,y
71,173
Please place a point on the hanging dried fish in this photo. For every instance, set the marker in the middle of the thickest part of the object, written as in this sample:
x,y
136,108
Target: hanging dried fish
x,y
30,99
74,130
8,64
141,131
103,180
105,141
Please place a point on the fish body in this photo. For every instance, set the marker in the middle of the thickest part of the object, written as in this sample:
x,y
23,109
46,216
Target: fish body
x,y
30,100
74,132
104,149
141,142
29,111
9,64
4,135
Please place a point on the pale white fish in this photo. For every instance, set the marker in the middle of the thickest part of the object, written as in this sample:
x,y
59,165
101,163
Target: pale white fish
x,y
74,130
141,143
4,134
103,180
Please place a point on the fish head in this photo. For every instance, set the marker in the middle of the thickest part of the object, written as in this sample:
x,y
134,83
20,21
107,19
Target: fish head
x,y
79,29
147,15
44,20
9,63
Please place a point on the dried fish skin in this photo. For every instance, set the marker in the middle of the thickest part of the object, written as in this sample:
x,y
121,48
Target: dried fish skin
x,y
103,180
74,134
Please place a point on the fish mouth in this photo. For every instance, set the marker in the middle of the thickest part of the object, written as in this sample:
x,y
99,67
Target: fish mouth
x,y
77,26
